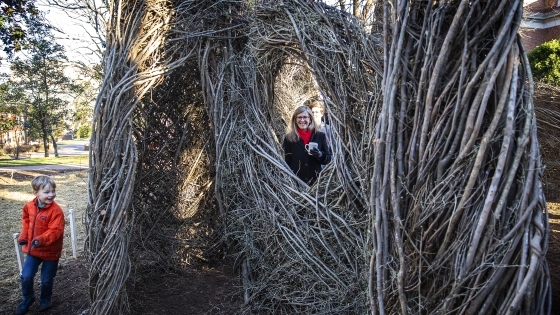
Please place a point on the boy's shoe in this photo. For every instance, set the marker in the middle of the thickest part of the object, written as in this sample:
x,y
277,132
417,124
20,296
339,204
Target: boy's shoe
x,y
25,304
44,305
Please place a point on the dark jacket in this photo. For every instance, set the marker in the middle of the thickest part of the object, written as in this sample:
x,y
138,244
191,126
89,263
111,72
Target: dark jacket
x,y
306,166
47,226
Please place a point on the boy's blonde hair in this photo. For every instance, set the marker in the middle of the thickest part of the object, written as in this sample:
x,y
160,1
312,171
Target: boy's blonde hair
x,y
41,182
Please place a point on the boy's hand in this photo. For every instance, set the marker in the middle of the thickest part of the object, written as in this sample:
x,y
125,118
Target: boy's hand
x,y
35,243
23,242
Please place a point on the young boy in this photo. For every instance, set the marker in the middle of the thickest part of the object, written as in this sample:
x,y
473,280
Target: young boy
x,y
41,237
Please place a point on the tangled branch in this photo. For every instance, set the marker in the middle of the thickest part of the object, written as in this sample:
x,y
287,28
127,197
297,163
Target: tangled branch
x,y
432,203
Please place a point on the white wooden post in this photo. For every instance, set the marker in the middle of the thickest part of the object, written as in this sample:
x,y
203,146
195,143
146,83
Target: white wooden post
x,y
19,252
73,233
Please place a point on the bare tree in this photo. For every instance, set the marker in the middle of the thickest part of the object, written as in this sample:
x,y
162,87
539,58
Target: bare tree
x,y
91,17
361,9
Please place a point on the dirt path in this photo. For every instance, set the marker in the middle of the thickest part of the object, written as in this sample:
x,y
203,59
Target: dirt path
x,y
203,290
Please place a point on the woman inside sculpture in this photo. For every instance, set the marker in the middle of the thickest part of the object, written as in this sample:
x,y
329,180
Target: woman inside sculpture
x,y
305,147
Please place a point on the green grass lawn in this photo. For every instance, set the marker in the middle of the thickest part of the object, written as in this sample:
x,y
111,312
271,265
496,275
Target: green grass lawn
x,y
78,159
65,142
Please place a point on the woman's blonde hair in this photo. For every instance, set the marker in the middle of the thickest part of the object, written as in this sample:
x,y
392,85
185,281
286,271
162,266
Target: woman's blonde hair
x,y
291,133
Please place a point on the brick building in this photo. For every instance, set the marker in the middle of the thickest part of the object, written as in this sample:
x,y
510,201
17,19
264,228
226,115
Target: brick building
x,y
541,22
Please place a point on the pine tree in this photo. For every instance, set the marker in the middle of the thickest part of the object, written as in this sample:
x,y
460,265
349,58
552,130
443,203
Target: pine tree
x,y
41,75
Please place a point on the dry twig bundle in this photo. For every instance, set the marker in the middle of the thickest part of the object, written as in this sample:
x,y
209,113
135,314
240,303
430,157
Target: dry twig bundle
x,y
459,171
432,204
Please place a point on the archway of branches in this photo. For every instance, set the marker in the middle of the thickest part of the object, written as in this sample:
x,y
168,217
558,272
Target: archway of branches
x,y
433,201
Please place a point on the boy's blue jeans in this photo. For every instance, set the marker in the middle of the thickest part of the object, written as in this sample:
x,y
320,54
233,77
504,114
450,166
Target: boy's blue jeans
x,y
48,272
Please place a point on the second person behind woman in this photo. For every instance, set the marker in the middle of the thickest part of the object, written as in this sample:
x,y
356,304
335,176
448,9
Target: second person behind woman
x,y
301,131
320,120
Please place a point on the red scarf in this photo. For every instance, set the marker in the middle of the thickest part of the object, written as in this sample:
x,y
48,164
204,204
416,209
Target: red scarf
x,y
305,135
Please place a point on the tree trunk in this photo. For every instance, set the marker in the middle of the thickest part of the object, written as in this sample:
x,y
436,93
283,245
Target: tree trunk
x,y
45,141
55,146
16,153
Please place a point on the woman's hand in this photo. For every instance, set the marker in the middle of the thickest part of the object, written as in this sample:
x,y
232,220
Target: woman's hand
x,y
316,153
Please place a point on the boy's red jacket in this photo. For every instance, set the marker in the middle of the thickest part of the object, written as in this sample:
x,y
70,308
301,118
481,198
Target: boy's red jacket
x,y
45,225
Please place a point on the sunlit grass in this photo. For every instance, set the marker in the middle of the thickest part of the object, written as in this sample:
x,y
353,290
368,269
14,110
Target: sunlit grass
x,y
76,159
66,142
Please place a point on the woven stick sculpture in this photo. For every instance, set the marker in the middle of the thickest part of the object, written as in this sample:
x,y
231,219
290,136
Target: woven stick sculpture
x,y
433,201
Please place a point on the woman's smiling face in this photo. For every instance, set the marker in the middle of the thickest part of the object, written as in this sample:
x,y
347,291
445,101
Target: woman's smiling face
x,y
303,120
